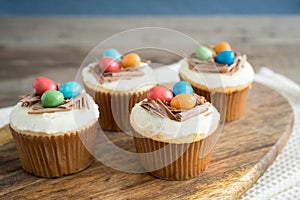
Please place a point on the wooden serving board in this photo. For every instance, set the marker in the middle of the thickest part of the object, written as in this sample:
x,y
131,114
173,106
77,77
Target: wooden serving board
x,y
246,148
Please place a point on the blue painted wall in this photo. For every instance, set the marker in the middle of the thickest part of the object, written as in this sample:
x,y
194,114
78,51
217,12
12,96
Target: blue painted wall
x,y
147,7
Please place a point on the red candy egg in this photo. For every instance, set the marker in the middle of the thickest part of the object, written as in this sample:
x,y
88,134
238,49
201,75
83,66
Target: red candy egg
x,y
42,84
108,64
160,92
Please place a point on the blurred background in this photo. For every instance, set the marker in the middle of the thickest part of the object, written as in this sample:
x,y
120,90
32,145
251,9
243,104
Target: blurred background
x,y
52,38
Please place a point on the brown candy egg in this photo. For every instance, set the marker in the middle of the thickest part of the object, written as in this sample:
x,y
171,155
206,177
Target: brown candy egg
x,y
131,60
183,101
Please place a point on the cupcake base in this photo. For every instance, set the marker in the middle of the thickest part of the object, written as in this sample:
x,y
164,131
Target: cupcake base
x,y
115,107
172,161
52,156
230,105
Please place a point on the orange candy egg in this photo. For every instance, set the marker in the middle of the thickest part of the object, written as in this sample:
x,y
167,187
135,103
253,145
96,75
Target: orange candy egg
x,y
222,46
131,60
183,101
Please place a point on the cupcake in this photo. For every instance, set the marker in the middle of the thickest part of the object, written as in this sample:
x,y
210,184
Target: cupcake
x,y
54,129
174,133
220,74
116,83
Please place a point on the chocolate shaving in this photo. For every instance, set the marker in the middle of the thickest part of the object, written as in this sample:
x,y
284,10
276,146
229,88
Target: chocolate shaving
x,y
38,110
241,61
168,111
213,67
152,110
162,109
123,70
94,71
77,103
200,99
155,108
193,112
30,99
124,73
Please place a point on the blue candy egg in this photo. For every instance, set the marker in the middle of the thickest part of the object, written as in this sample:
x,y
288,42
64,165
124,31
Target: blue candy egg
x,y
113,53
225,57
182,87
70,89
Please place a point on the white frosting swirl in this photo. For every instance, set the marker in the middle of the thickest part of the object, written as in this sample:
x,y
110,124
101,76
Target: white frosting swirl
x,y
51,123
148,79
167,130
243,76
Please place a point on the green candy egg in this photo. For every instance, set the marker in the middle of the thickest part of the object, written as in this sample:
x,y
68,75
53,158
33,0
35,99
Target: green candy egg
x,y
204,53
52,98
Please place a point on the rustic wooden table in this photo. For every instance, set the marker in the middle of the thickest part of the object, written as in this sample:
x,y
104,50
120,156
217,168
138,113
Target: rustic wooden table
x,y
55,47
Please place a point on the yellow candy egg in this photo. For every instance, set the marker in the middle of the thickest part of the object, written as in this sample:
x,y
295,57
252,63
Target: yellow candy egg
x,y
222,46
183,101
131,60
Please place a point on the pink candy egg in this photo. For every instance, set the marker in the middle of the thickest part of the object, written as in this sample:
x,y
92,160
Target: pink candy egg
x,y
160,92
42,84
108,64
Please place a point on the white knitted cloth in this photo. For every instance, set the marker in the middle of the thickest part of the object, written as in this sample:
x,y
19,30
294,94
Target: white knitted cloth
x,y
282,179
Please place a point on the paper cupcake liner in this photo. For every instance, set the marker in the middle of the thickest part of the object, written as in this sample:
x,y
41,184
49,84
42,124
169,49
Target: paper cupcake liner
x,y
174,161
56,155
115,107
230,105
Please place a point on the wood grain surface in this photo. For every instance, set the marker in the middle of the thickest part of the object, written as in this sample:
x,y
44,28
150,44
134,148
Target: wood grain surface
x,y
246,148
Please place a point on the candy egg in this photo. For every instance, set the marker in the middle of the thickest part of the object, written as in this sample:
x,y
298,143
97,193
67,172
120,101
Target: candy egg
x,y
131,60
113,53
203,53
182,87
159,92
222,46
42,84
52,98
183,101
225,57
70,89
108,64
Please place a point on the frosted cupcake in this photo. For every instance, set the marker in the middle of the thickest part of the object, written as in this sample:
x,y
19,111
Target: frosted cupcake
x,y
221,75
117,83
54,129
174,135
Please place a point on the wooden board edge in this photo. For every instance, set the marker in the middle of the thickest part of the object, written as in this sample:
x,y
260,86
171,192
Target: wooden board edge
x,y
5,135
253,173
258,170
